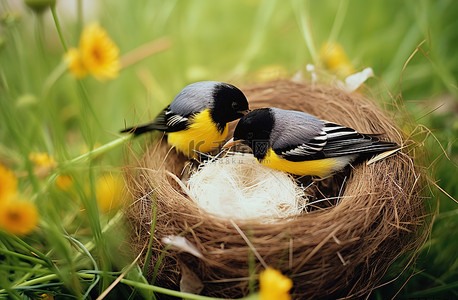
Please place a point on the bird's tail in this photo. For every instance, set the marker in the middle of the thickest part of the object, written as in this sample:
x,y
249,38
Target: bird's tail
x,y
375,150
380,146
140,129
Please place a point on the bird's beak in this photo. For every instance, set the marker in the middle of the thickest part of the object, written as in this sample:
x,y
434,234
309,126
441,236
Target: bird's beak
x,y
231,143
244,112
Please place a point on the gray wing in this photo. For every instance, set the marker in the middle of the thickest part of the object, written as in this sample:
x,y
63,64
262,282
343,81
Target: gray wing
x,y
297,136
346,141
194,98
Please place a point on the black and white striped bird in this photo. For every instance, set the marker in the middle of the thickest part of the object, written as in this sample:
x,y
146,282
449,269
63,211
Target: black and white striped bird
x,y
301,144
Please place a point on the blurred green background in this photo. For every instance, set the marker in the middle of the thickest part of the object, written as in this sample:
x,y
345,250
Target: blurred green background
x,y
411,45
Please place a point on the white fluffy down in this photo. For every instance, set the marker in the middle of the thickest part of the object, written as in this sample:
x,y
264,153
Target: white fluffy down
x,y
238,187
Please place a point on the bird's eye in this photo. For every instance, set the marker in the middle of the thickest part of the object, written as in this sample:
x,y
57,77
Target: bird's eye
x,y
235,106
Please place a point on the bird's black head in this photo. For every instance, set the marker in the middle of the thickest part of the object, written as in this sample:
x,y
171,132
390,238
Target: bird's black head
x,y
254,130
229,104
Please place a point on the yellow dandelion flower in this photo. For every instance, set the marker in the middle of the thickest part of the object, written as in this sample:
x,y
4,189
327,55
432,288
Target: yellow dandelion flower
x,y
8,183
335,59
43,163
42,159
64,182
274,285
75,64
47,297
109,192
18,217
99,55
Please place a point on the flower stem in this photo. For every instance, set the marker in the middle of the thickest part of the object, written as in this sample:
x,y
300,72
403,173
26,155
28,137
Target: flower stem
x,y
79,16
59,29
23,269
22,256
304,25
338,20
157,289
262,19
98,151
139,285
32,250
90,245
132,283
53,77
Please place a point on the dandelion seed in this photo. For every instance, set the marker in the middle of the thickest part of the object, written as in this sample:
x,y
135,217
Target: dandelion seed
x,y
274,285
8,183
335,59
108,192
18,217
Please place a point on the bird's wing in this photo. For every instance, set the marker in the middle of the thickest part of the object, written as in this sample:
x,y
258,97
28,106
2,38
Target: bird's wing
x,y
346,141
166,121
331,140
172,121
297,136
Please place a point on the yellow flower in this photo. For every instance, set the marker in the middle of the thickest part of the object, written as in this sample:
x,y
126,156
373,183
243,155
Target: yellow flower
x,y
109,192
43,163
96,55
75,64
334,58
64,182
47,297
100,56
42,159
18,217
274,286
8,183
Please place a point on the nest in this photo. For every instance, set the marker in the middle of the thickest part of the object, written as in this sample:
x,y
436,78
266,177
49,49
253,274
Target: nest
x,y
370,216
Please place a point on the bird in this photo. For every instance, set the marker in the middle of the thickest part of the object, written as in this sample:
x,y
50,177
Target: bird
x,y
197,119
301,144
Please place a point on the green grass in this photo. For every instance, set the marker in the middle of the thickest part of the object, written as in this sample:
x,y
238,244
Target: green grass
x,y
45,110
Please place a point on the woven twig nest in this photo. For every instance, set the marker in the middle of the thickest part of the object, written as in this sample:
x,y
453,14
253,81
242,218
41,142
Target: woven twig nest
x,y
341,249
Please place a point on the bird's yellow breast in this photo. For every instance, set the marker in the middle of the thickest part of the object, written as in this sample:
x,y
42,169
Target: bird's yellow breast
x,y
319,167
202,135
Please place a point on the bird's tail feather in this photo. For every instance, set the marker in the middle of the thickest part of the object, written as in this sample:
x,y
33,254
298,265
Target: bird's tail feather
x,y
140,129
369,146
377,147
380,146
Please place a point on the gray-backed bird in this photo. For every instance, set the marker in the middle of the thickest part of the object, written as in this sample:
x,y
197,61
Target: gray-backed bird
x,y
197,119
301,144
